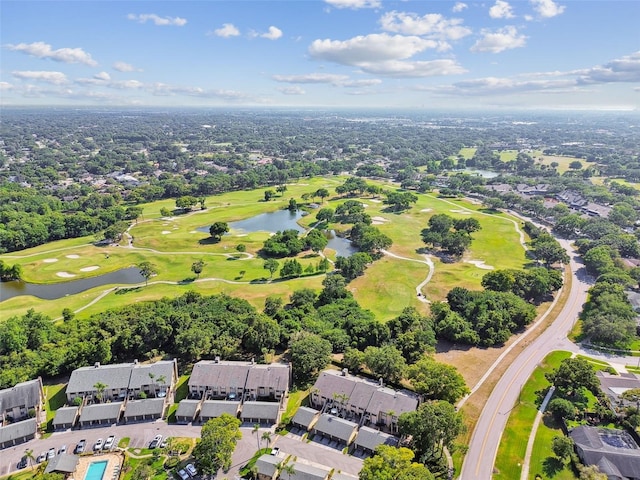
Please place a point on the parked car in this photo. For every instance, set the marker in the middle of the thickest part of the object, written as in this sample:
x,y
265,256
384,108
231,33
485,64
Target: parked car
x,y
80,447
164,442
23,462
98,445
191,470
51,453
155,443
108,445
275,451
42,457
63,449
183,475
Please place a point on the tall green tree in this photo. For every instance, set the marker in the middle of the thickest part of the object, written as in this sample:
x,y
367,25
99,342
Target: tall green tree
x,y
197,267
309,354
217,230
147,270
391,463
437,381
218,439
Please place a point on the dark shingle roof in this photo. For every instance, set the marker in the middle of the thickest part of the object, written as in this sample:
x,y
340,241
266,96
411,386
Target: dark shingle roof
x,y
65,415
268,465
592,449
336,427
17,430
65,463
369,438
275,376
25,393
187,408
224,374
101,411
329,383
113,376
140,373
361,394
150,406
304,416
215,408
303,471
386,400
260,410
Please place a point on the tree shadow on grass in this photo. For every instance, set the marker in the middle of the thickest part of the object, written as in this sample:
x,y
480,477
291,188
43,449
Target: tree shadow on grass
x,y
124,291
551,466
208,241
187,280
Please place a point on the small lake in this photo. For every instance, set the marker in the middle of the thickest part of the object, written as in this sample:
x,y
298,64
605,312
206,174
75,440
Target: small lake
x,y
281,220
53,291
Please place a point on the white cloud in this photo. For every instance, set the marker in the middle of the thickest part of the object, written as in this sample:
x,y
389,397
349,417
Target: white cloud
x,y
501,9
369,49
405,69
158,20
125,67
433,25
506,86
625,69
5,86
127,85
274,33
361,83
102,76
44,50
311,78
503,39
295,90
459,6
227,30
55,78
547,8
354,4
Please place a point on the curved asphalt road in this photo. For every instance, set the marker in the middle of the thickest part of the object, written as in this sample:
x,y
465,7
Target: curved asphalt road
x,y
479,460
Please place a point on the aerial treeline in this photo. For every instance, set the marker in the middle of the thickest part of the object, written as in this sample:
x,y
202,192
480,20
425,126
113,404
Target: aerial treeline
x,y
29,218
9,272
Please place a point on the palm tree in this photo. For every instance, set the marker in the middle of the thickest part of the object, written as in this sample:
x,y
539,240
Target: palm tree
x,y
161,379
256,430
266,436
29,454
100,388
289,469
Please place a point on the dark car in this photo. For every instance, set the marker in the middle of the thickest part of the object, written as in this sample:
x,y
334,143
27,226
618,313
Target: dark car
x,y
80,447
23,462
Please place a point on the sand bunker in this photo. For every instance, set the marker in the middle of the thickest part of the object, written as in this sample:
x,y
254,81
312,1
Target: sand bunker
x,y
164,232
379,219
50,260
479,264
194,231
74,256
65,275
375,201
426,210
463,212
90,269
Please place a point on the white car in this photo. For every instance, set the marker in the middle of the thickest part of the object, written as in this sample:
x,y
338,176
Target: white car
x,y
109,443
63,449
98,445
51,453
155,443
191,470
183,475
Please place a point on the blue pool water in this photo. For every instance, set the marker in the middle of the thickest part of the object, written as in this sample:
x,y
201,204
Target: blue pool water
x,y
96,470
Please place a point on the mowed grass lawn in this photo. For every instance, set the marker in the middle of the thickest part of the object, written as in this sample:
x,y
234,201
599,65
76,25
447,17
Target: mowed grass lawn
x,y
513,443
173,245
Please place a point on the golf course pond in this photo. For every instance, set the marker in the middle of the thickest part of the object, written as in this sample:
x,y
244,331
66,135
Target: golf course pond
x,y
281,220
124,276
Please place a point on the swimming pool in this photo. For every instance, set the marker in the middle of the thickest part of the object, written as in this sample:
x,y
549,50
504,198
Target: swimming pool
x,y
96,470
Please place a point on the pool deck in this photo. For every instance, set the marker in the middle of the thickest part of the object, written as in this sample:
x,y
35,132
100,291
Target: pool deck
x,y
114,464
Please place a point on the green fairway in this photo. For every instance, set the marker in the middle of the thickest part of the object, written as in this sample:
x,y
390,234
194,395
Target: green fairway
x,y
173,244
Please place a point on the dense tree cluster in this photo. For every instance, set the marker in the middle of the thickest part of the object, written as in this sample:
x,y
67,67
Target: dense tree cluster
x,y
608,318
483,318
453,236
532,285
10,272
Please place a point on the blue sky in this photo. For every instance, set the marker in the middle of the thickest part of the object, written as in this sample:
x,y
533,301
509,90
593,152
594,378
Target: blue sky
x,y
526,54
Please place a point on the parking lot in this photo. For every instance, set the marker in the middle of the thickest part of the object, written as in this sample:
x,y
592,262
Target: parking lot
x,y
141,435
